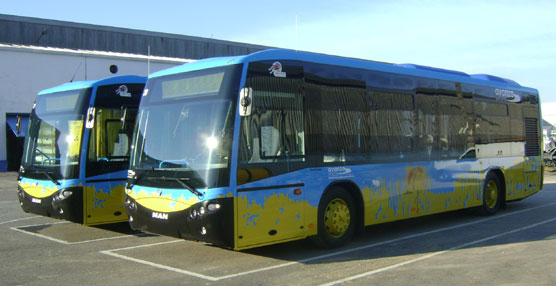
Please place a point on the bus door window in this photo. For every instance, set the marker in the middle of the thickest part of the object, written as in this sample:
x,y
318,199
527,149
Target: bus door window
x,y
273,137
108,141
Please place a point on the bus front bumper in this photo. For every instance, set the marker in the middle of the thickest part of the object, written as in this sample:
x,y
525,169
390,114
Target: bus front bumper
x,y
208,221
66,204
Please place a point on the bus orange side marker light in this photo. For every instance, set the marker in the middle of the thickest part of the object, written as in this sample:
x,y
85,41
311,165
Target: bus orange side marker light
x,y
297,192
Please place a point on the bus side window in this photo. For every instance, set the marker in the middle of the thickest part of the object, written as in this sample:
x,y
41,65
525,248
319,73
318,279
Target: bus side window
x,y
335,113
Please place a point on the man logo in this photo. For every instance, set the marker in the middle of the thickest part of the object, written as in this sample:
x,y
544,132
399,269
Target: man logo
x,y
160,215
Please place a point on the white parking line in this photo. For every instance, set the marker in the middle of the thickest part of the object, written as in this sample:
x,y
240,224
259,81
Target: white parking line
x,y
19,228
376,271
101,239
212,278
19,219
111,252
40,235
43,224
144,245
165,267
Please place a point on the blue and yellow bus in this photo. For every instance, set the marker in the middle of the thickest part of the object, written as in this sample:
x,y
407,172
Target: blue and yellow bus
x,y
76,152
282,145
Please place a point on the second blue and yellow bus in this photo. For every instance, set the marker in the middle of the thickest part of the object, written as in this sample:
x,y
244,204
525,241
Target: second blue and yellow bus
x,y
76,152
282,145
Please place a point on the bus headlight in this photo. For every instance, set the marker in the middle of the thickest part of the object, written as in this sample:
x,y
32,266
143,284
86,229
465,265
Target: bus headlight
x,y
20,192
64,194
21,172
213,207
205,209
130,204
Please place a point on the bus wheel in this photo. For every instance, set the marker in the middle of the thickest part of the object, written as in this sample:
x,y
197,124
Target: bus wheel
x,y
336,221
491,195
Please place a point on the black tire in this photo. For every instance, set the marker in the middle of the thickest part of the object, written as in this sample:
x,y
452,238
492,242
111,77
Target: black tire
x,y
336,219
492,195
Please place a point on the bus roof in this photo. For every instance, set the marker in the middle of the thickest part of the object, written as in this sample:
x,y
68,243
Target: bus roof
x,y
404,69
91,83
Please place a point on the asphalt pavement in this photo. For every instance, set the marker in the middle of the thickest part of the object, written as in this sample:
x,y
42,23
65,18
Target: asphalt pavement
x,y
514,247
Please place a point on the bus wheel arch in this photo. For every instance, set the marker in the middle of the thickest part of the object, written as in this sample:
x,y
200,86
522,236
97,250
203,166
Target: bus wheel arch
x,y
494,192
339,199
499,172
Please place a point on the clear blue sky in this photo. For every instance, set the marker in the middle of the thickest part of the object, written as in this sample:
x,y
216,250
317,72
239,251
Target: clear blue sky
x,y
511,39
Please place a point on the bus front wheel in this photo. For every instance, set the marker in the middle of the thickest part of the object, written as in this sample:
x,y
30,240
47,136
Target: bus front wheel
x,y
336,220
492,195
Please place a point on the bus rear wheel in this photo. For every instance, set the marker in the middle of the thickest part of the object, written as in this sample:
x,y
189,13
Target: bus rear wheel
x,y
336,220
492,195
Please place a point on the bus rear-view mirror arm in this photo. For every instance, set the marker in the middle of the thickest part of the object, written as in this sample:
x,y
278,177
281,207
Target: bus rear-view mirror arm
x,y
245,102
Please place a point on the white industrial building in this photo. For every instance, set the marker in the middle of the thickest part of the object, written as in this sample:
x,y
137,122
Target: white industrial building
x,y
36,54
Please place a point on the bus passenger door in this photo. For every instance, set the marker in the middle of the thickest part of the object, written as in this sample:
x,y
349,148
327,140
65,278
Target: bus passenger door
x,y
271,155
107,152
106,167
107,164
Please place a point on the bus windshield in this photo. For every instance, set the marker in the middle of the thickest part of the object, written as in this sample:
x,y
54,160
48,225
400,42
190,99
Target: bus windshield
x,y
52,147
184,129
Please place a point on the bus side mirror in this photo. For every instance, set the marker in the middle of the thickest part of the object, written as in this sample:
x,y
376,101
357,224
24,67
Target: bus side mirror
x,y
245,101
18,124
90,118
124,117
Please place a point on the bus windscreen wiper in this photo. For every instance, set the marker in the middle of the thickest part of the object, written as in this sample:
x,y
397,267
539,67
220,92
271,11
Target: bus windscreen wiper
x,y
48,175
51,178
184,183
136,176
